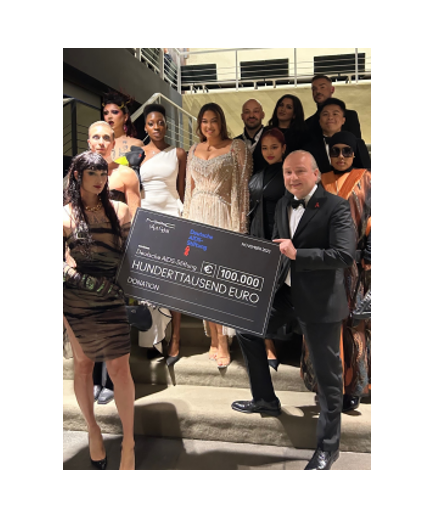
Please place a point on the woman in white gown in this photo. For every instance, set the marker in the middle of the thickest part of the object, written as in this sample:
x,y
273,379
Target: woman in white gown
x,y
162,175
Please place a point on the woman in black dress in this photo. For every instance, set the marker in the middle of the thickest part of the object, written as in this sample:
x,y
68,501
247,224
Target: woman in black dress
x,y
288,116
94,231
266,189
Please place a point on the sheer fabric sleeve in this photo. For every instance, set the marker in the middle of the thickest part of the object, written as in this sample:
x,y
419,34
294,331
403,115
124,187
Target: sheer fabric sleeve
x,y
189,184
240,197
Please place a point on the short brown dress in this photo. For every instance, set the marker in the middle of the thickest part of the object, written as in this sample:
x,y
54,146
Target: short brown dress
x,y
100,324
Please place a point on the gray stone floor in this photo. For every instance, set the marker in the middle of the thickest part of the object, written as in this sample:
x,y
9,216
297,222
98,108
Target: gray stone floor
x,y
179,454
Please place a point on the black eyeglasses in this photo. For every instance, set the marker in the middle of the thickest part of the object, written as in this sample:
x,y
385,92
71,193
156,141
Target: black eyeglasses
x,y
346,151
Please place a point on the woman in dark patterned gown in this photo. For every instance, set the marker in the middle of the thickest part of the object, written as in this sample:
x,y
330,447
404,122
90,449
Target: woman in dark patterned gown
x,y
353,184
94,231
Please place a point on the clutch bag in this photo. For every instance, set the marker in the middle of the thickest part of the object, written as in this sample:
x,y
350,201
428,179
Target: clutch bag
x,y
139,317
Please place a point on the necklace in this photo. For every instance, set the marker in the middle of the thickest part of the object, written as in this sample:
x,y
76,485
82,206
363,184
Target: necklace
x,y
95,208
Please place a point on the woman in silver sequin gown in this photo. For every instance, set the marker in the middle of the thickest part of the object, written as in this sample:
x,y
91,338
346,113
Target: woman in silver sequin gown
x,y
216,193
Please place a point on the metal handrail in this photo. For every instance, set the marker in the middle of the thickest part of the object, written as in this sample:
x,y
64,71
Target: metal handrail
x,y
184,137
154,99
301,71
168,70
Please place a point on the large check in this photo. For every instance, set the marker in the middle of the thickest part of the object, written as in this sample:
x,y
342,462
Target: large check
x,y
207,272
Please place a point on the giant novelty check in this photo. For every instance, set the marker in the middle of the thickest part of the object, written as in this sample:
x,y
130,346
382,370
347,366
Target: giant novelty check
x,y
203,271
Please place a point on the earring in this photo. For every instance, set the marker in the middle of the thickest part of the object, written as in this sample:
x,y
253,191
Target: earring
x,y
125,128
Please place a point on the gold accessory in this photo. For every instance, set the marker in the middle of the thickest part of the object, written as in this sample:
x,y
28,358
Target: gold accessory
x,y
120,106
96,208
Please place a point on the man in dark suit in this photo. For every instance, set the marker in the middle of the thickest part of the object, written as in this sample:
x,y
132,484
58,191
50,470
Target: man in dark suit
x,y
252,116
322,89
332,117
316,236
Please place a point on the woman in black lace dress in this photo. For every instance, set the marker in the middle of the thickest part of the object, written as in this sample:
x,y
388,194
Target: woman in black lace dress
x,y
94,231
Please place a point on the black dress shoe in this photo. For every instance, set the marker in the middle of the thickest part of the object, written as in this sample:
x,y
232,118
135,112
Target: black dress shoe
x,y
350,402
270,408
100,464
273,363
96,391
322,460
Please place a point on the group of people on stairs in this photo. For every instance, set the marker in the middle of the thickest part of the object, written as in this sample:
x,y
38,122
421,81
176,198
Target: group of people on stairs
x,y
303,184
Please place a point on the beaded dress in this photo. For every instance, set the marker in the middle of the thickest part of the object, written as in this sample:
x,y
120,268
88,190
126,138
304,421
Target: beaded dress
x,y
100,324
216,192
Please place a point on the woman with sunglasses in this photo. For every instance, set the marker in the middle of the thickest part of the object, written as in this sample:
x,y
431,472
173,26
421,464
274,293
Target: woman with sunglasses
x,y
95,229
332,116
353,184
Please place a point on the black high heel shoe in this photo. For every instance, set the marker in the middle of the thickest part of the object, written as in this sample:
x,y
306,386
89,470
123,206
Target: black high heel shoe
x,y
171,360
273,363
100,464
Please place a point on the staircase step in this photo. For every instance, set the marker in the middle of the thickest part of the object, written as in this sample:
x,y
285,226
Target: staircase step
x,y
192,332
204,413
195,369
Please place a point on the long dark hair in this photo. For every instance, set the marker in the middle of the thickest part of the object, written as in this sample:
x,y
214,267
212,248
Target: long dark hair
x,y
122,101
298,120
81,162
214,107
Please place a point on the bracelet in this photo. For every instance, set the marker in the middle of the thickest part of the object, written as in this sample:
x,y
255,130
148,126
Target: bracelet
x,y
90,282
68,272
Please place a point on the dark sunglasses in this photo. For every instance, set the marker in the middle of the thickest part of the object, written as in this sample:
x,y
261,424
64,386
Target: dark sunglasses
x,y
346,151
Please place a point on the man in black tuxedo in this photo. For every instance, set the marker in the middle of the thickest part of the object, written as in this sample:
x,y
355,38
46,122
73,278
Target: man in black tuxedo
x,y
332,117
322,89
316,236
252,116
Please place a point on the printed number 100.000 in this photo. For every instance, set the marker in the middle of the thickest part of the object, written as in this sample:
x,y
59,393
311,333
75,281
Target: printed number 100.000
x,y
243,279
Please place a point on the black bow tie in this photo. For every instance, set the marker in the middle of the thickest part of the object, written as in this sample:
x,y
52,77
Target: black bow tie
x,y
296,203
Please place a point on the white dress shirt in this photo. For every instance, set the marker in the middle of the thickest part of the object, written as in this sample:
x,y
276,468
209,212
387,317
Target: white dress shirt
x,y
295,215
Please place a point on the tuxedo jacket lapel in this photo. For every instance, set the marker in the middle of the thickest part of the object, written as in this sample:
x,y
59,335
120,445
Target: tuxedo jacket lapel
x,y
285,213
313,207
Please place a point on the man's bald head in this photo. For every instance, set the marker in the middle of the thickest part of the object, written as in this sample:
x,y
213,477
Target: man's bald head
x,y
252,114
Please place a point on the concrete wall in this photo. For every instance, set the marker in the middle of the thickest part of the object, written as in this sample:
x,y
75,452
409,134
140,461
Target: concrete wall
x,y
119,70
90,72
356,97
